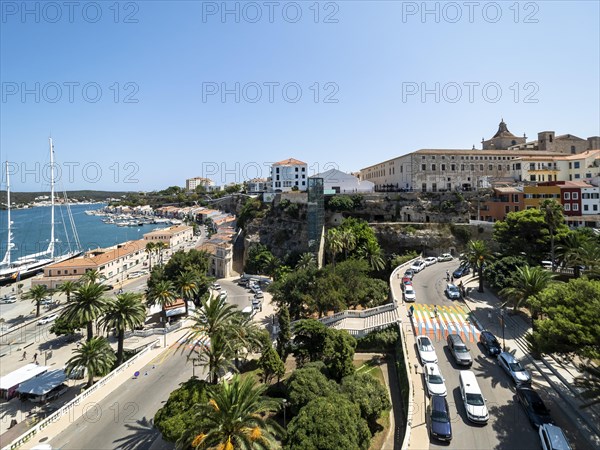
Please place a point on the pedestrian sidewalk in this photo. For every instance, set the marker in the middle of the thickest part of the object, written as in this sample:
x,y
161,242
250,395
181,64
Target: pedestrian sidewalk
x,y
485,309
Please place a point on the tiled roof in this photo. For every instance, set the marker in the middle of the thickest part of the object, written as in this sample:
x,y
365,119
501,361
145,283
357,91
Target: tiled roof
x,y
104,256
289,162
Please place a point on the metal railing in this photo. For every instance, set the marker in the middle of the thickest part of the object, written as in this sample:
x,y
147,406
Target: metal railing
x,y
55,416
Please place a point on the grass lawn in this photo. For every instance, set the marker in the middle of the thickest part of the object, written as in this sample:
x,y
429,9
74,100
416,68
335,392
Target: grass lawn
x,y
373,367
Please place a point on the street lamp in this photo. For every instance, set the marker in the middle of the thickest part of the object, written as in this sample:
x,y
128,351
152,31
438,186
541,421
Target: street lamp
x,y
284,406
502,324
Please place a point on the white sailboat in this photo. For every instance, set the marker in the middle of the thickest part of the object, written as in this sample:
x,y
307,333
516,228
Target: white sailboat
x,y
11,270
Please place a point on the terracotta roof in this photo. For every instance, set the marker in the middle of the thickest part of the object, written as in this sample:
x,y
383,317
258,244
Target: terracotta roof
x,y
508,190
103,256
289,162
170,230
178,303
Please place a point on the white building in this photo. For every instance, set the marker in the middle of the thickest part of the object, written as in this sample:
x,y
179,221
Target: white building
x,y
256,185
289,174
172,236
192,183
343,183
590,200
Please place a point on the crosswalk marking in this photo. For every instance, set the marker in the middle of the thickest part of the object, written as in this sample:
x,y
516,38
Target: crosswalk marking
x,y
449,319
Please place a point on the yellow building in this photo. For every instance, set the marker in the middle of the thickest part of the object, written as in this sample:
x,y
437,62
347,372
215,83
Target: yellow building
x,y
534,195
172,236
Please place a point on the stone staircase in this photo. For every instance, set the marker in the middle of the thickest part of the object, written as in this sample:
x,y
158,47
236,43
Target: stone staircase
x,y
361,323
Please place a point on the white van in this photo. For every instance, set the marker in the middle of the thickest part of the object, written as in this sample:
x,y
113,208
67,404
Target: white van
x,y
472,398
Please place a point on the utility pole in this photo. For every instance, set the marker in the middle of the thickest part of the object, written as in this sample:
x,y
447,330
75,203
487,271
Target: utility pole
x,y
502,324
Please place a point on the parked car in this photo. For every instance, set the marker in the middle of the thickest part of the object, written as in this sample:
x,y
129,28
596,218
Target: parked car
x,y
472,398
445,257
215,286
438,416
452,291
553,438
426,350
434,380
459,350
256,303
409,293
418,265
405,281
139,273
223,295
47,319
462,270
46,301
490,343
108,287
431,260
409,273
534,407
259,295
513,367
8,299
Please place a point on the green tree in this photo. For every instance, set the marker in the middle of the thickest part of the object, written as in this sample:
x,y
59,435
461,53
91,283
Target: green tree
x,y
238,415
372,253
125,312
553,216
309,340
68,288
95,355
306,261
271,364
150,249
333,244
338,353
92,276
307,384
187,285
36,294
163,294
340,203
191,261
579,250
285,334
527,283
369,394
499,273
87,306
328,423
398,260
478,255
63,327
293,290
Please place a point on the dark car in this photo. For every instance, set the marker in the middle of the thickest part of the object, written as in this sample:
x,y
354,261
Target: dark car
x,y
534,407
490,343
108,287
438,417
462,270
409,273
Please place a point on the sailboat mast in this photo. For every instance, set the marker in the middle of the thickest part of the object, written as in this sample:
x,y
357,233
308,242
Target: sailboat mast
x,y
9,240
51,246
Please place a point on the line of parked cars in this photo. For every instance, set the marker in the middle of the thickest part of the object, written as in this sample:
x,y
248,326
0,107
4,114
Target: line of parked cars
x,y
417,266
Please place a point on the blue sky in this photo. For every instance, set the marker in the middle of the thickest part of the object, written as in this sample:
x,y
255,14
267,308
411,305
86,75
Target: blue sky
x,y
152,114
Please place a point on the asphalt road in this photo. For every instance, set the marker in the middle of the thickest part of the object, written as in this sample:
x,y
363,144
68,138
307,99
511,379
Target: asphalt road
x,y
508,427
124,419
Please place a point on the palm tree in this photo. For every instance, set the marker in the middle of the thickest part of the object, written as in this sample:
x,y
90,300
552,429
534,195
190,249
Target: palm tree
x,y
87,306
95,355
306,261
162,293
372,253
333,244
477,254
187,284
124,313
527,282
214,316
67,288
150,248
553,216
348,241
160,246
237,416
37,294
92,276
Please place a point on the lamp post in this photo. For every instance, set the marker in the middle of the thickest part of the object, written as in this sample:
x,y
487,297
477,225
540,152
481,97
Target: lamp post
x,y
284,407
502,324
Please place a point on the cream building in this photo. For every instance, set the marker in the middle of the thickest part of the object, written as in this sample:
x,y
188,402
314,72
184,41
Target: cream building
x,y
192,183
172,236
112,263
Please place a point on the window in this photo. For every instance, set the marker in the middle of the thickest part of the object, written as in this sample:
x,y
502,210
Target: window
x,y
481,167
462,167
304,169
567,196
531,177
531,166
567,206
575,206
472,166
575,196
499,167
576,164
424,187
585,207
595,207
452,167
573,151
570,165
577,176
434,187
506,209
296,169
443,167
490,167
433,167
423,167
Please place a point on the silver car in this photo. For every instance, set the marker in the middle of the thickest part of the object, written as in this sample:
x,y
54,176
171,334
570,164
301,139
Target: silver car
x,y
513,367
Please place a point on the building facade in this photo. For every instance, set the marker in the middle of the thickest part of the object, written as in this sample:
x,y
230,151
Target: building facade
x,y
289,174
257,185
336,181
192,183
172,236
503,201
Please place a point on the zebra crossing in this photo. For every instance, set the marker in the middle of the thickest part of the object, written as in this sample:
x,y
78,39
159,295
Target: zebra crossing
x,y
449,319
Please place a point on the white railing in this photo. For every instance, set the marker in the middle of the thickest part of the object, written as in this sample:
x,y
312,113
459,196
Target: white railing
x,y
350,313
151,331
55,416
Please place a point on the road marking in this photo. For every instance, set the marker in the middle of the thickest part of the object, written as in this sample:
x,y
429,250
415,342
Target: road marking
x,y
450,319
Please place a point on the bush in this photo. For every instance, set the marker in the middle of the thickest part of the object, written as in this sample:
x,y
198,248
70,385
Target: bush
x,y
340,203
381,340
499,273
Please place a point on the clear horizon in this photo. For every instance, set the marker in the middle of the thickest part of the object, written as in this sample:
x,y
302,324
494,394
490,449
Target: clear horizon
x,y
139,96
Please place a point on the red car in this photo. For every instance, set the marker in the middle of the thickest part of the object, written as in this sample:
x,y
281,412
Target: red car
x,y
405,281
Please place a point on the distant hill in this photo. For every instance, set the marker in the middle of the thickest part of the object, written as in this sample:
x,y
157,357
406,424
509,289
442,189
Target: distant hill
x,y
79,196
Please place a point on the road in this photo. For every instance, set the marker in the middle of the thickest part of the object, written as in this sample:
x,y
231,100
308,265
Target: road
x,y
508,427
125,418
